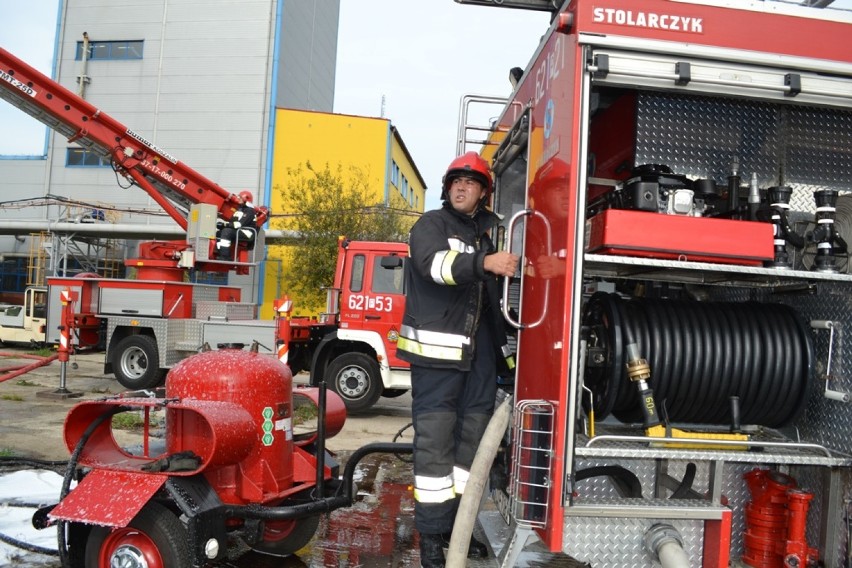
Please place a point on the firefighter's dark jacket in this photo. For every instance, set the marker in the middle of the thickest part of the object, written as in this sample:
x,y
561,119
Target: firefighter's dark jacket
x,y
448,291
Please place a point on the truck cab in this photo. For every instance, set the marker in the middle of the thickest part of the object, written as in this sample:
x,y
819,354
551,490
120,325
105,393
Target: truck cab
x,y
354,344
25,323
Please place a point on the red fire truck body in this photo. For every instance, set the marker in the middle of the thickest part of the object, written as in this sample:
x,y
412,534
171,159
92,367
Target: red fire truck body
x,y
667,171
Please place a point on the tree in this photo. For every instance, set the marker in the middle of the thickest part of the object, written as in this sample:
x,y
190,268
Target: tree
x,y
323,205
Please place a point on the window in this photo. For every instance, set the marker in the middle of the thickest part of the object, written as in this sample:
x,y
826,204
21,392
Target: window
x,y
80,157
356,280
215,278
111,50
395,174
387,275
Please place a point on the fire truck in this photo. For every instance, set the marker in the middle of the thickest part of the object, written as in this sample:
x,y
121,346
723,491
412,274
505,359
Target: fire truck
x,y
352,346
148,324
152,324
675,178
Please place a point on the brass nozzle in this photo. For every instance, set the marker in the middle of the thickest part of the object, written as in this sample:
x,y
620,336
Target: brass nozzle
x,y
637,367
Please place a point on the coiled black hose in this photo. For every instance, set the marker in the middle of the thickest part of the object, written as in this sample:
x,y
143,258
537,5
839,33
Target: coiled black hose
x,y
701,354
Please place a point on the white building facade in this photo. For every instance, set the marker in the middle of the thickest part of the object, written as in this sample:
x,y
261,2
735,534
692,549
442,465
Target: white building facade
x,y
199,79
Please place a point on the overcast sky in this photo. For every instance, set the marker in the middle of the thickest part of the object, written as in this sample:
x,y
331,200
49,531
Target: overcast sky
x,y
438,51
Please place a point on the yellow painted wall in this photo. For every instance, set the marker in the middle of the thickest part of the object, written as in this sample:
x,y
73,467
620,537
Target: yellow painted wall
x,y
416,194
336,140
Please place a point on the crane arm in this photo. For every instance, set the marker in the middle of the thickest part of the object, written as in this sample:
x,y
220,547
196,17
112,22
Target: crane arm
x,y
171,183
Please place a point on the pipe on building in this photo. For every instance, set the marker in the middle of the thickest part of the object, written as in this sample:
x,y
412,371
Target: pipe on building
x,y
116,230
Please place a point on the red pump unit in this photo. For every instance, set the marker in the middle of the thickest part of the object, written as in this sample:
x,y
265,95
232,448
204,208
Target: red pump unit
x,y
233,464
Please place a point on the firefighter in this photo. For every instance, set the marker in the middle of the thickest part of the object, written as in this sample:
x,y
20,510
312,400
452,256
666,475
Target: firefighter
x,y
453,336
241,228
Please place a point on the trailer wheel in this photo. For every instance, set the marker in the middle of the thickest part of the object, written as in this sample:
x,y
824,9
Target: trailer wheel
x,y
155,538
283,538
356,378
136,362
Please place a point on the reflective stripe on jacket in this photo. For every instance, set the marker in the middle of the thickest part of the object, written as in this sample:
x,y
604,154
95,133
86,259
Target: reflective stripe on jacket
x,y
446,292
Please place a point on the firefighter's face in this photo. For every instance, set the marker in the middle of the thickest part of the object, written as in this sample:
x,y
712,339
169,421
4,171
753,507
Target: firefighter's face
x,y
465,194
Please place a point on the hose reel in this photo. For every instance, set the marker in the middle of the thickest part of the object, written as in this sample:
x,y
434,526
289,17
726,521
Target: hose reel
x,y
701,354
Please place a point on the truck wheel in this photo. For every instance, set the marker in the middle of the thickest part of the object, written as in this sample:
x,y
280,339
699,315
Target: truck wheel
x,y
155,538
136,362
356,378
283,538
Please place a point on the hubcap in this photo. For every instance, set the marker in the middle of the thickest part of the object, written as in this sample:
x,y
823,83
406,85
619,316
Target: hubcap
x,y
352,381
134,363
127,556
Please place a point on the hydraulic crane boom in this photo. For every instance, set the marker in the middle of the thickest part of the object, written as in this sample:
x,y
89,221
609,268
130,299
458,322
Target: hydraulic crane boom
x,y
172,184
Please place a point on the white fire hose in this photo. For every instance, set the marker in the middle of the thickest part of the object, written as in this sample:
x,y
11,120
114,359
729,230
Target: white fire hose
x,y
665,544
479,470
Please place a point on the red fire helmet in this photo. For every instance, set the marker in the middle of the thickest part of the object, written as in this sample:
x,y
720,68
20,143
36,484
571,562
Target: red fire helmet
x,y
469,164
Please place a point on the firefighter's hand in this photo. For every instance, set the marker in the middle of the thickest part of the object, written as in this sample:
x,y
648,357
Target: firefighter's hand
x,y
501,263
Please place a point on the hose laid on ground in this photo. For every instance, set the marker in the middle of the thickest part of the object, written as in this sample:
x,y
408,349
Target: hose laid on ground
x,y
479,470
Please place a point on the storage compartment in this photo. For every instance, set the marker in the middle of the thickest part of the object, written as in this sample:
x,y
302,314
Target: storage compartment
x,y
697,239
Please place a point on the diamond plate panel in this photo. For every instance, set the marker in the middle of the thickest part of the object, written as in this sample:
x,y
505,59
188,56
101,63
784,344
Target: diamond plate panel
x,y
619,542
203,293
819,151
806,148
225,310
184,338
701,136
825,421
594,540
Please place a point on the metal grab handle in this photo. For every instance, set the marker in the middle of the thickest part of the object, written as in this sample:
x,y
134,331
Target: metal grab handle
x,y
504,305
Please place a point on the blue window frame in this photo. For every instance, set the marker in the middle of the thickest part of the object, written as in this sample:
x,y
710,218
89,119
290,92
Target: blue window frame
x,y
82,158
111,50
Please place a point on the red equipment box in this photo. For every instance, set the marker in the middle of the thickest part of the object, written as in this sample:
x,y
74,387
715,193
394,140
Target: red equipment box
x,y
674,237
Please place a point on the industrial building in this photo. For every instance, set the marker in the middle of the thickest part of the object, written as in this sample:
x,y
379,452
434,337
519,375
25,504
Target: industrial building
x,y
206,82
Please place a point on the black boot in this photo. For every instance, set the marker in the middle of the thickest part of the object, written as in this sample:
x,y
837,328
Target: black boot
x,y
476,549
432,551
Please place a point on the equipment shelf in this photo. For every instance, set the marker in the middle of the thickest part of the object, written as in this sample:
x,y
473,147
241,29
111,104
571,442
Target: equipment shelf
x,y
612,266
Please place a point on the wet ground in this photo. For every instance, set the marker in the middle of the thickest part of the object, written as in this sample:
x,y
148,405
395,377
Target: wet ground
x,y
376,532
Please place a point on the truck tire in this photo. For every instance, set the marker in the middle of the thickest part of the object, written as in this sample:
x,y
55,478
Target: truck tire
x,y
283,538
136,362
356,378
155,538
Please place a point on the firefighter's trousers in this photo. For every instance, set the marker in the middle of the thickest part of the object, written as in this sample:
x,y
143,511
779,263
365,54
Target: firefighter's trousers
x,y
450,410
